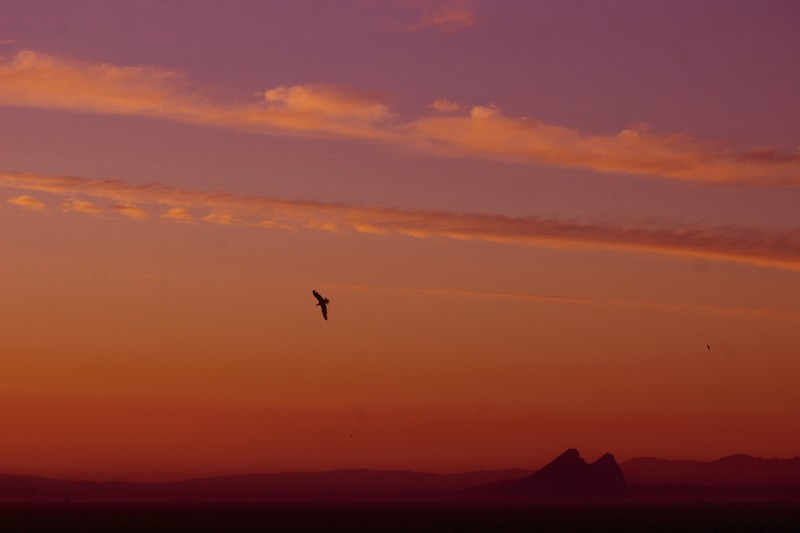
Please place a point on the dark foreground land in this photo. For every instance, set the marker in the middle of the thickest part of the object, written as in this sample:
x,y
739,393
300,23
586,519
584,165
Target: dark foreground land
x,y
398,517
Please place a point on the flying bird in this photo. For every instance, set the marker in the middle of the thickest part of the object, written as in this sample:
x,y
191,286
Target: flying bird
x,y
709,347
322,303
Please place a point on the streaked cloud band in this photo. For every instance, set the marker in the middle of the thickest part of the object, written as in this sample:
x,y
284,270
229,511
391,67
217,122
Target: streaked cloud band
x,y
767,247
35,79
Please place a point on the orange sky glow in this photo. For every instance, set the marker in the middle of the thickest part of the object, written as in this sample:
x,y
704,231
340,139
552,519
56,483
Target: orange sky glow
x,y
530,222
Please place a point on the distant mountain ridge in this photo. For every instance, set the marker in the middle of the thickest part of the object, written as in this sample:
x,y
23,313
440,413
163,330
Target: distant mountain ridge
x,y
346,481
733,471
567,477
332,484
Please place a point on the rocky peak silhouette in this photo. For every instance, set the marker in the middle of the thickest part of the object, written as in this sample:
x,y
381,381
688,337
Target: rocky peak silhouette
x,y
568,476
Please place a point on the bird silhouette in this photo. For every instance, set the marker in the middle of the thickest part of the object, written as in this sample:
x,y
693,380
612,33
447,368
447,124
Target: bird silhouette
x,y
709,347
322,303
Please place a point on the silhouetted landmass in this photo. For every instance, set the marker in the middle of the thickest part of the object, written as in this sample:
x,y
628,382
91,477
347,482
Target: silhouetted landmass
x,y
40,489
733,471
296,486
568,478
339,484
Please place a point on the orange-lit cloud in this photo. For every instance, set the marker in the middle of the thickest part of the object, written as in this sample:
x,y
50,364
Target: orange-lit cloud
x,y
177,214
768,247
81,206
323,108
34,79
487,132
38,80
447,15
224,219
330,100
130,211
443,105
26,202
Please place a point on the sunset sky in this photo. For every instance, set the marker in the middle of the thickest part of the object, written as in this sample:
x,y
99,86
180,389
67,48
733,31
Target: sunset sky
x,y
530,219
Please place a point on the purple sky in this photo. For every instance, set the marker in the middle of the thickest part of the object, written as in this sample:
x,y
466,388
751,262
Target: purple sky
x,y
588,192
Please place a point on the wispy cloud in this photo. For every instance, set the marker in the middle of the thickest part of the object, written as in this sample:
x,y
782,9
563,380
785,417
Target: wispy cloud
x,y
7,42
325,108
34,79
767,247
224,219
130,211
443,105
26,202
566,299
487,132
330,100
81,206
38,80
178,214
446,15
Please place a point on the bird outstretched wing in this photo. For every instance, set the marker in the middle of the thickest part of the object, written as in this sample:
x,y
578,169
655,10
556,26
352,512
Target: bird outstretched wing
x,y
322,303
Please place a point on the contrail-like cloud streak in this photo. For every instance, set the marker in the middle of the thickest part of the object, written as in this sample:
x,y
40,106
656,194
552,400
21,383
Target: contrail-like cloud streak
x,y
560,298
767,247
33,79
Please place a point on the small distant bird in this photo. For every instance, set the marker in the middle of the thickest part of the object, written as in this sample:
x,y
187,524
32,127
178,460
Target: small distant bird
x,y
322,303
709,347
